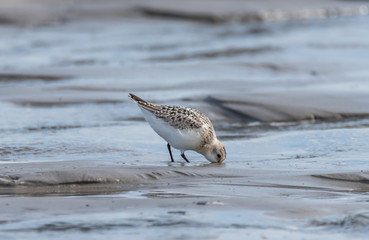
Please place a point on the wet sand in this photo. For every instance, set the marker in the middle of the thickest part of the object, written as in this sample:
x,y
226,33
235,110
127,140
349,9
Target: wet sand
x,y
129,198
270,104
288,99
46,12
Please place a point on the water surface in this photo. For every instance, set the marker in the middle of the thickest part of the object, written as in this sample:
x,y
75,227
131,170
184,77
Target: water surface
x,y
64,99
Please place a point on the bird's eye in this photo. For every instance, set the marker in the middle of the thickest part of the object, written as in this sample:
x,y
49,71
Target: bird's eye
x,y
219,156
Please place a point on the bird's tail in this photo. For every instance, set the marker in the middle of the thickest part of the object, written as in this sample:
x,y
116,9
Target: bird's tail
x,y
136,99
144,104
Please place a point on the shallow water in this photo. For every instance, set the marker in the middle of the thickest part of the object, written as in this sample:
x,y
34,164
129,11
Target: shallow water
x,y
82,113
185,224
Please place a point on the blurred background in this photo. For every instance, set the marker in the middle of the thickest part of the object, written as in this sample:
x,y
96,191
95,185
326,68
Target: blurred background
x,y
254,67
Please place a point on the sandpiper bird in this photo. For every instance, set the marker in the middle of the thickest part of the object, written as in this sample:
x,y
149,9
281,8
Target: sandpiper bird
x,y
183,128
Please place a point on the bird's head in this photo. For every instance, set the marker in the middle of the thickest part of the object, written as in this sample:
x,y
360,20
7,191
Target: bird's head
x,y
215,152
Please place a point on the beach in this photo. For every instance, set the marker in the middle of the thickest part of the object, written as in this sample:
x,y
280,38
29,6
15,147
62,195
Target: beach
x,y
284,83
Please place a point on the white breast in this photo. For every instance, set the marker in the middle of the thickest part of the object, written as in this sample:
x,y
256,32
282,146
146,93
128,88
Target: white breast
x,y
186,139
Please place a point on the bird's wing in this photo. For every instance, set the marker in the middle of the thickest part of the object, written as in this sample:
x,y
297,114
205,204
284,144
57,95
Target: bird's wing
x,y
182,117
179,117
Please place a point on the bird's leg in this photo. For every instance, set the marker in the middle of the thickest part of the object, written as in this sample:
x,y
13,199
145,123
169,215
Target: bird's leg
x,y
170,152
184,157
